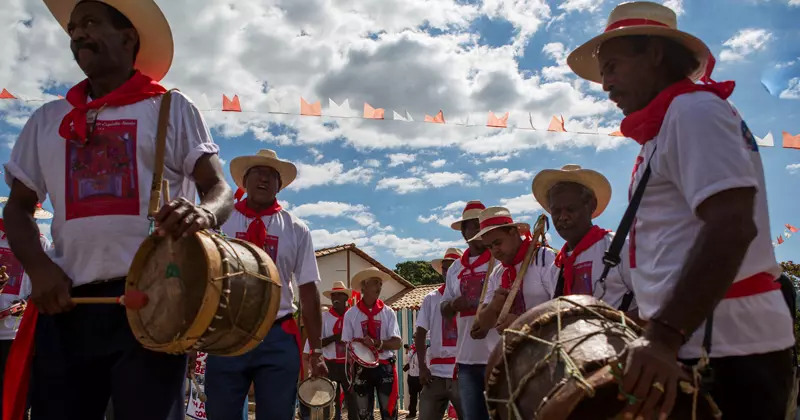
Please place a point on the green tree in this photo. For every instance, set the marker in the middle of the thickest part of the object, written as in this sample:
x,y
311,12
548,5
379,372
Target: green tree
x,y
793,271
418,272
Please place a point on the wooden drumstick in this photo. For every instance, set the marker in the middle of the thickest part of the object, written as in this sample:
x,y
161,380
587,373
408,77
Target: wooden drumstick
x,y
133,299
538,232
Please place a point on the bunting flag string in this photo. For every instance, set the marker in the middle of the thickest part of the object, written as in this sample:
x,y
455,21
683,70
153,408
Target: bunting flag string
x,y
788,231
343,111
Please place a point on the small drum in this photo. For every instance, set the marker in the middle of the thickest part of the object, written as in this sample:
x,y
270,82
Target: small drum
x,y
206,292
363,355
319,395
574,380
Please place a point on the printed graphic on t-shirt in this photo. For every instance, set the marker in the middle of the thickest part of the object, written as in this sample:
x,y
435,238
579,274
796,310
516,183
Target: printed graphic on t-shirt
x,y
13,270
518,307
449,332
365,329
102,176
471,286
582,280
749,138
270,245
340,349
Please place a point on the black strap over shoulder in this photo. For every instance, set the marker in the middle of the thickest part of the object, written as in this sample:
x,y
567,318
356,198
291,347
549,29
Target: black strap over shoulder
x,y
627,299
559,284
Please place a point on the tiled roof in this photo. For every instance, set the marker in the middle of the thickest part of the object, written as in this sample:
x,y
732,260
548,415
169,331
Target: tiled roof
x,y
352,247
411,298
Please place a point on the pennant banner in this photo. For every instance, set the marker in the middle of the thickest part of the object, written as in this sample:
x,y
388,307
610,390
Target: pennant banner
x,y
788,231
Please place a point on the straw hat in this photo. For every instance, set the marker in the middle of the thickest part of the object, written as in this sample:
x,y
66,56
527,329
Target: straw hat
x,y
39,213
264,157
636,18
593,180
497,217
367,274
471,211
156,47
451,254
338,287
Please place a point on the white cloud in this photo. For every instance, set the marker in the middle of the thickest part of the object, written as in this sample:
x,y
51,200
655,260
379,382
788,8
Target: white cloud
x,y
522,205
372,163
322,238
444,215
44,229
505,176
328,173
793,168
316,153
675,5
792,91
558,53
438,163
397,159
424,180
580,5
794,2
357,212
745,42
412,247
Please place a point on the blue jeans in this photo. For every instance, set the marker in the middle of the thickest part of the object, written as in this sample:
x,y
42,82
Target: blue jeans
x,y
470,388
273,367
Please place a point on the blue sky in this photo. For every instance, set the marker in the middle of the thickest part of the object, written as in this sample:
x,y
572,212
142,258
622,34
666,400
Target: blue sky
x,y
390,186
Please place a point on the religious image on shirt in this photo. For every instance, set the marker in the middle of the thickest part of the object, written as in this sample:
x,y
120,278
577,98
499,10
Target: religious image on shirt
x,y
471,287
102,176
518,307
449,332
341,348
14,271
582,280
365,329
270,245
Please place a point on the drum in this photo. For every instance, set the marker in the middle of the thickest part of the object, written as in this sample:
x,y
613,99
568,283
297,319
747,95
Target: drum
x,y
319,395
571,373
363,355
206,292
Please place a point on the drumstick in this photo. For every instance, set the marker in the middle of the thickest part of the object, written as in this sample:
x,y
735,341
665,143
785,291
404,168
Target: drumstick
x,y
172,268
537,233
133,299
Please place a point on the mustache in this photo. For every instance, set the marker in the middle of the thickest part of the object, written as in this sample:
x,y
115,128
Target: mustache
x,y
79,45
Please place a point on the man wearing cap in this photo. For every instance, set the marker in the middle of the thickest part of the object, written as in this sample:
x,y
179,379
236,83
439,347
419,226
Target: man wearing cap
x,y
334,350
701,258
436,376
259,219
464,286
574,196
93,155
374,324
511,243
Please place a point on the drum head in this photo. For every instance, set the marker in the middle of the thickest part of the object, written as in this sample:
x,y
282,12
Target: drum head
x,y
316,392
363,354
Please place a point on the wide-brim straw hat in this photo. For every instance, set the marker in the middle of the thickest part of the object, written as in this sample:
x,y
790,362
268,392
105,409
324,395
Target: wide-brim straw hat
x,y
451,254
39,213
156,46
338,287
264,157
472,210
366,274
593,180
636,18
497,217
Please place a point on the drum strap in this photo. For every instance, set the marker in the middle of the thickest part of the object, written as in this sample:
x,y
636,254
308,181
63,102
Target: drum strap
x,y
161,147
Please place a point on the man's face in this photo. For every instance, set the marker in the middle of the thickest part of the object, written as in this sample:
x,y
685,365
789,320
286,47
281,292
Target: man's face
x,y
97,46
503,243
262,184
628,75
470,228
339,300
446,266
371,288
570,211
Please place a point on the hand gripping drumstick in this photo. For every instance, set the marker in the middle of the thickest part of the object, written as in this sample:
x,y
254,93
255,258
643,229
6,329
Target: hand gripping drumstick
x,y
133,299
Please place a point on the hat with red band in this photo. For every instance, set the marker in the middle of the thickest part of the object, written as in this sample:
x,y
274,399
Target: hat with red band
x,y
38,213
639,18
338,287
497,217
472,210
451,254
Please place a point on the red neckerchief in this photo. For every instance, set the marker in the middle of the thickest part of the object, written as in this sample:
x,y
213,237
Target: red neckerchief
x,y
3,228
510,272
74,126
257,230
592,237
337,326
441,288
482,259
644,125
372,326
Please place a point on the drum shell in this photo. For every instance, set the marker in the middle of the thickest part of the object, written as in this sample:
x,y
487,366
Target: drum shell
x,y
351,348
216,306
322,411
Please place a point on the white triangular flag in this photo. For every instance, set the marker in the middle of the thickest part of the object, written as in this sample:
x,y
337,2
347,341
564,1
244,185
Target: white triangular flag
x,y
767,141
342,110
396,116
408,116
530,120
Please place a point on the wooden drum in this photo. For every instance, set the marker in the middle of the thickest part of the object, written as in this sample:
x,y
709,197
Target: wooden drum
x,y
577,379
206,292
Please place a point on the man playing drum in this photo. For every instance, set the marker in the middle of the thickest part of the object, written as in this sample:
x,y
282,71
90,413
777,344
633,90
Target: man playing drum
x,y
102,136
438,386
702,262
334,350
259,219
465,281
510,243
373,324
574,196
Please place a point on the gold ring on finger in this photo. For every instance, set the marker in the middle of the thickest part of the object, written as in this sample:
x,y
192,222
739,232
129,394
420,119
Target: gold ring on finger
x,y
658,386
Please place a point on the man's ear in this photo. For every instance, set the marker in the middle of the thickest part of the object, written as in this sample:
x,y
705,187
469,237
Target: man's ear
x,y
655,51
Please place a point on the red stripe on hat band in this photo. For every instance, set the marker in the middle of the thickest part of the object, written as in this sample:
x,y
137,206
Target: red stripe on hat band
x,y
634,22
496,221
473,206
337,288
452,257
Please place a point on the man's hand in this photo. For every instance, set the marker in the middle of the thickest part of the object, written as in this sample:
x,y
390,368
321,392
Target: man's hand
x,y
425,376
506,322
318,366
336,337
370,342
50,289
651,375
191,363
499,299
459,304
182,218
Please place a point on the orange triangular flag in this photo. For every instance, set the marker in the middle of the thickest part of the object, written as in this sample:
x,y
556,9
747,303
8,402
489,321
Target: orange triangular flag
x,y
790,141
60,97
617,134
791,228
6,95
372,113
438,119
557,125
313,110
231,105
780,239
497,122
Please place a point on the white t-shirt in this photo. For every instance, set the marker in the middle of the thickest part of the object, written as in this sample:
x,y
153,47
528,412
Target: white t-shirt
x,y
17,288
290,247
704,148
413,363
443,334
538,285
589,267
100,201
470,351
333,351
355,326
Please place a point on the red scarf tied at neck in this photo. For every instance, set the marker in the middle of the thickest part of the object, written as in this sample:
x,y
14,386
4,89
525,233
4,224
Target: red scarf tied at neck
x,y
510,272
257,230
337,326
594,236
482,259
644,125
74,126
372,326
